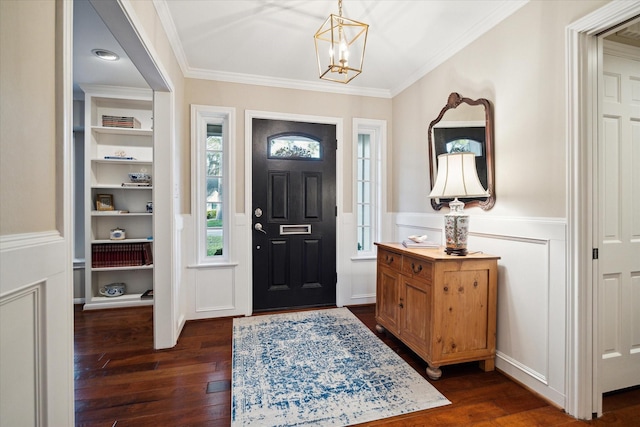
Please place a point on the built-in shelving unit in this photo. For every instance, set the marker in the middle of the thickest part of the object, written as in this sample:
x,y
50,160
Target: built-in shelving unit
x,y
111,154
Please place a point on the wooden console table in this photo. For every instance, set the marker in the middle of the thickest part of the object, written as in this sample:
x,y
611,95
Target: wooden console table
x,y
441,306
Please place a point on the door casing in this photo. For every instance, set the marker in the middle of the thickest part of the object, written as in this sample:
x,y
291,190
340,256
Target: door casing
x,y
582,62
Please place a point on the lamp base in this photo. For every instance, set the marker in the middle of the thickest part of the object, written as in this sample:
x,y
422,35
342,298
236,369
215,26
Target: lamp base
x,y
456,251
456,228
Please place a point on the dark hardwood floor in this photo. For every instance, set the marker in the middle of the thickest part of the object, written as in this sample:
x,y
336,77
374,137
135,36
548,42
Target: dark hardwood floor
x,y
121,381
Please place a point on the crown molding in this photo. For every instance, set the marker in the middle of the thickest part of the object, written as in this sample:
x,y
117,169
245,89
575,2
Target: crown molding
x,y
172,33
252,79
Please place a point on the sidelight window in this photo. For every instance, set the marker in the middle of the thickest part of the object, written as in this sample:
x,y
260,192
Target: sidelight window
x,y
214,194
369,135
211,133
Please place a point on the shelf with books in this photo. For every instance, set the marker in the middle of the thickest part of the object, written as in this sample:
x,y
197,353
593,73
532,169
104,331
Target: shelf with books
x,y
117,158
112,255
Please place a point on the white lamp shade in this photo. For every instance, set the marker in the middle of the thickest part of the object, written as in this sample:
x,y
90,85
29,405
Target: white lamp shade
x,y
457,177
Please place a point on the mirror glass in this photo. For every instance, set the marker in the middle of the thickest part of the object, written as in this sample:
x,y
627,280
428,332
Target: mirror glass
x,y
464,125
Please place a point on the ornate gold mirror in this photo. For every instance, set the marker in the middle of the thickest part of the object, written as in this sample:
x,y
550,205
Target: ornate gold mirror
x,y
464,124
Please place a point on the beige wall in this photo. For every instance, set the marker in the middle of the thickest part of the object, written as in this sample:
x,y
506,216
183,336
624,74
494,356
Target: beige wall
x,y
248,97
27,116
520,67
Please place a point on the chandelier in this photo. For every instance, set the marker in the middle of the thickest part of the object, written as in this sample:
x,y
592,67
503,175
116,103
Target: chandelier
x,y
340,44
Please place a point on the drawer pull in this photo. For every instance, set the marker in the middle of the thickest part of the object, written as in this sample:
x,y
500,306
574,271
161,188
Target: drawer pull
x,y
388,259
475,283
446,289
416,270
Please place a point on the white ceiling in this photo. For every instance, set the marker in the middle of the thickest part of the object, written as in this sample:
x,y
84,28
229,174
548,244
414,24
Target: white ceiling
x,y
270,42
89,32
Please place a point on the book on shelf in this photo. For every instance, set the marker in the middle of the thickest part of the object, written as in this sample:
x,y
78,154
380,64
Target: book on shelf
x,y
119,158
147,253
407,243
120,122
108,255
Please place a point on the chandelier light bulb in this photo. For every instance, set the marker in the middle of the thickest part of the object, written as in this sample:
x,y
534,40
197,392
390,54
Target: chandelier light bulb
x,y
344,53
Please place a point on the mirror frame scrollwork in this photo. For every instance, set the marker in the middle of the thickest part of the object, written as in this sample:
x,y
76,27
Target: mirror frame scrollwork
x,y
453,102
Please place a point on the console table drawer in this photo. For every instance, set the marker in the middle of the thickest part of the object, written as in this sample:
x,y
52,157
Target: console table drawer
x,y
390,259
418,268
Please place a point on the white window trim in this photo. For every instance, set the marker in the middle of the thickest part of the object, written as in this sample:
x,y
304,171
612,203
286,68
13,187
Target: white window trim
x,y
201,116
378,131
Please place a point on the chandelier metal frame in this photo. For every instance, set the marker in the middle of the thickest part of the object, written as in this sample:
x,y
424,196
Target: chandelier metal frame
x,y
340,45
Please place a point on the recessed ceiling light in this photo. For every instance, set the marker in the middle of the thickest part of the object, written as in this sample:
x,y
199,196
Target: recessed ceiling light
x,y
107,55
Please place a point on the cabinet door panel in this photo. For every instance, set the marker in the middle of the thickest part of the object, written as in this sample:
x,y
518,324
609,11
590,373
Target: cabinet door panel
x,y
387,298
464,311
415,314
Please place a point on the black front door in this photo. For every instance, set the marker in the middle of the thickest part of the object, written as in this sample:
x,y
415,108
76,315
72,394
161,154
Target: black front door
x,y
293,214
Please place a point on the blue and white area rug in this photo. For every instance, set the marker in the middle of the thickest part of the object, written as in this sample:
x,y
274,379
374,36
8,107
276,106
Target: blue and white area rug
x,y
319,368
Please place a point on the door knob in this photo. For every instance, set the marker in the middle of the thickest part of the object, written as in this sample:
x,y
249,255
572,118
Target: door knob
x,y
258,227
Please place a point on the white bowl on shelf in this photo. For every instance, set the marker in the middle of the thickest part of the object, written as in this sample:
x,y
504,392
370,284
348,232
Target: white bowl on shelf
x,y
113,290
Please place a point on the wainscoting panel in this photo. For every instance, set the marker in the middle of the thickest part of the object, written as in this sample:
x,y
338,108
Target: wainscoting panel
x,y
356,273
36,330
217,289
531,292
214,289
21,370
523,296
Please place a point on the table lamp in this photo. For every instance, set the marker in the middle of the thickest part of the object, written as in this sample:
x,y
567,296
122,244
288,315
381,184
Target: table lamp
x,y
457,177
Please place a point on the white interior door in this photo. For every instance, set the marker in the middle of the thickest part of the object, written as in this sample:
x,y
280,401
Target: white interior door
x,y
618,224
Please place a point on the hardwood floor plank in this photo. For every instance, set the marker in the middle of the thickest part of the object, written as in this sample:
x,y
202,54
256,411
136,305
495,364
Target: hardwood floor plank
x,y
545,416
628,416
622,399
122,381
